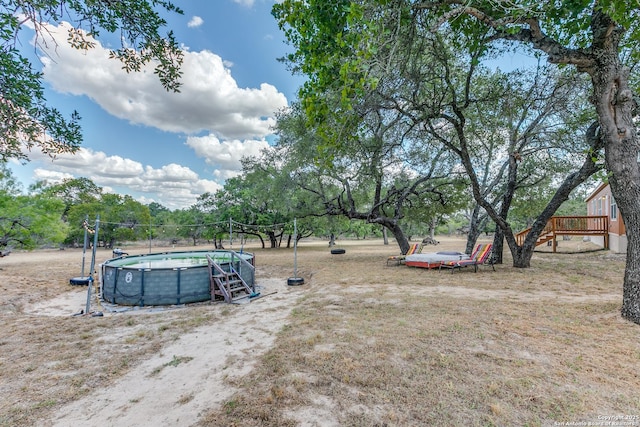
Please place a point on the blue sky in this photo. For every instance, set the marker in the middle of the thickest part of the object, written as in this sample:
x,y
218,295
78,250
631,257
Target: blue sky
x,y
165,147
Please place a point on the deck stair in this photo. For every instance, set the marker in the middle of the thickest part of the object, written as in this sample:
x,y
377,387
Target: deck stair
x,y
226,282
544,238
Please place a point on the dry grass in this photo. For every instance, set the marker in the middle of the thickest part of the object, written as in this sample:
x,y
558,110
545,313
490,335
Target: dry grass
x,y
366,345
47,361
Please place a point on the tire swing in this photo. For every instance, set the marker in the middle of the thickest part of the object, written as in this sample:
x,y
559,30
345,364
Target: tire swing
x,y
295,280
338,251
83,280
80,281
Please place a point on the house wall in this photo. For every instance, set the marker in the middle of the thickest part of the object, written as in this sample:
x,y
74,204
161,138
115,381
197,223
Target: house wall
x,y
601,202
617,243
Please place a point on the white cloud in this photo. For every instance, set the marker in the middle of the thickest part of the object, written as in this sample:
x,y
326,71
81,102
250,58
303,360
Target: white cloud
x,y
195,22
50,176
225,156
210,99
236,120
98,164
172,185
247,3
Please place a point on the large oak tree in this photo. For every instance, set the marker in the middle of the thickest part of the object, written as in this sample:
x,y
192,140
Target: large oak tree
x,y
599,38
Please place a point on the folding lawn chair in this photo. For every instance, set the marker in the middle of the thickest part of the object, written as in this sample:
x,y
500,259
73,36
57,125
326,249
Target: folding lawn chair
x,y
481,255
399,259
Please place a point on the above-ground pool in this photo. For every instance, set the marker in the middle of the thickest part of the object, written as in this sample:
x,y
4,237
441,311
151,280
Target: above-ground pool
x,y
168,278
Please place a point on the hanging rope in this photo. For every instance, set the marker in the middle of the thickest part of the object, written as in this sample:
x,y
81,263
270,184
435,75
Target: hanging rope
x,y
85,225
245,227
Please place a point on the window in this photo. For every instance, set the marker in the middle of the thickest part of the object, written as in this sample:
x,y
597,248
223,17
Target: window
x,y
614,210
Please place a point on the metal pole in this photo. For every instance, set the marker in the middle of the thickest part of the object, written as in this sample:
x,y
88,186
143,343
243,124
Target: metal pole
x,y
84,247
295,280
295,248
230,232
93,263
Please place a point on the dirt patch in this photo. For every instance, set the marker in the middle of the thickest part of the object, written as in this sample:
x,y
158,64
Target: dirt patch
x,y
72,302
191,374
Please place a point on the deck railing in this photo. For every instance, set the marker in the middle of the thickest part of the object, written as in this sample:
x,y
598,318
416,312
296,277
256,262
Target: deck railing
x,y
244,268
572,226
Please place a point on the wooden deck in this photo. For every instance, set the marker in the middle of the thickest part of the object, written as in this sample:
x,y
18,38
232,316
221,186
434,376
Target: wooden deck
x,y
570,226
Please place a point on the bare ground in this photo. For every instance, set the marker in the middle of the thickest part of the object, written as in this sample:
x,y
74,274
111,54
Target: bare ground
x,y
361,343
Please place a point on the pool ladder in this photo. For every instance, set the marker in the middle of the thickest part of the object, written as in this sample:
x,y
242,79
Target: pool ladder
x,y
227,285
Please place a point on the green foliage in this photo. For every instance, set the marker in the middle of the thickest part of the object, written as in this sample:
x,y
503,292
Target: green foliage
x,y
71,191
529,202
8,182
121,219
575,206
259,201
29,221
570,21
452,223
331,45
28,121
383,176
163,225
188,223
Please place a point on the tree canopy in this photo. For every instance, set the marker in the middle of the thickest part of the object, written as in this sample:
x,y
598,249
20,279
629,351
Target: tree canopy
x,y
27,119
341,46
28,221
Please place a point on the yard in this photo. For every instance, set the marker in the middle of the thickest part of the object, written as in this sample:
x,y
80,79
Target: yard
x,y
360,344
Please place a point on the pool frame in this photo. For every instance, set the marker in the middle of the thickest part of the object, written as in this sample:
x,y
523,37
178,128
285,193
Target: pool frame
x,y
142,286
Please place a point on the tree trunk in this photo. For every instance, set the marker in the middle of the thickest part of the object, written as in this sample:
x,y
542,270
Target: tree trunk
x,y
400,237
522,254
631,287
472,238
476,224
432,228
385,237
272,239
498,246
615,104
217,242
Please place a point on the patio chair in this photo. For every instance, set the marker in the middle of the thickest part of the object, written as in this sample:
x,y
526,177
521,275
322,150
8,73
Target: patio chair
x,y
399,259
432,260
480,255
